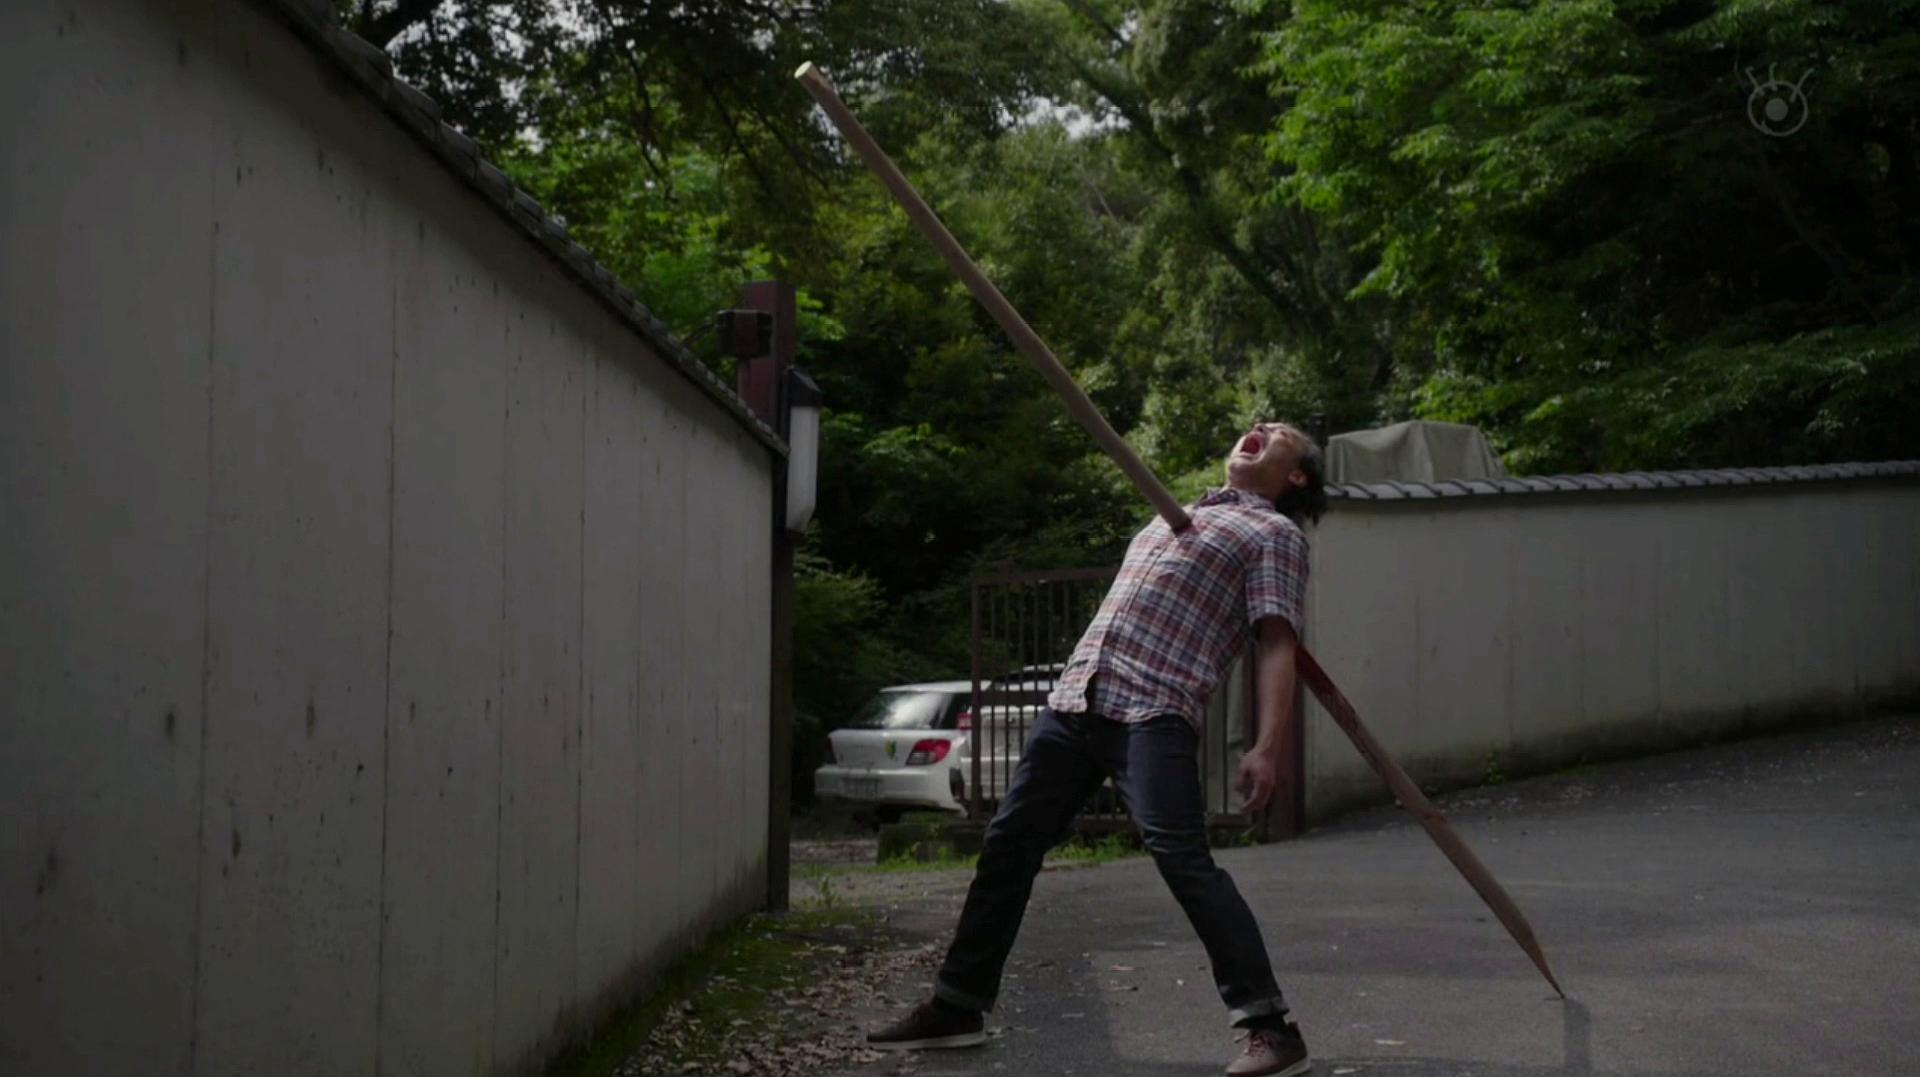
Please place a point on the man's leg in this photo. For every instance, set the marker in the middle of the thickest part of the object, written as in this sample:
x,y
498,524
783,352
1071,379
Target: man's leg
x,y
1157,772
1058,771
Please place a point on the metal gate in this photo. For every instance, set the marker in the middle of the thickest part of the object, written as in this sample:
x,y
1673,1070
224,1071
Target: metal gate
x,y
1025,626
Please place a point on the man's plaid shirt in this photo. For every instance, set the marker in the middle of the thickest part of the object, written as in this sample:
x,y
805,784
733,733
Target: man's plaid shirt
x,y
1182,609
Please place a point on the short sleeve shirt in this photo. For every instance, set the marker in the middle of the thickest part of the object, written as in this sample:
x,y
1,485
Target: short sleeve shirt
x,y
1183,608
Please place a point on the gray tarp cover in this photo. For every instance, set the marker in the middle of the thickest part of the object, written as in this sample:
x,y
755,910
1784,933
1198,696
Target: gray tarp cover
x,y
1412,452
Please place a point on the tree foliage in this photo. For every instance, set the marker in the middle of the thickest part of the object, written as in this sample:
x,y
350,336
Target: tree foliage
x,y
1553,219
1610,264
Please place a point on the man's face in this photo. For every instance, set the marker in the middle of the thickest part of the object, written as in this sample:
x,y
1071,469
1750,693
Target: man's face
x,y
1266,460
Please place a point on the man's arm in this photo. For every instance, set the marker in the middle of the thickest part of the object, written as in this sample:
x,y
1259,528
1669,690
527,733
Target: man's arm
x,y
1273,702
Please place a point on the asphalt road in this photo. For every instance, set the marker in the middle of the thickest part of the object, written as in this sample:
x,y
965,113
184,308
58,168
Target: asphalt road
x,y
1747,909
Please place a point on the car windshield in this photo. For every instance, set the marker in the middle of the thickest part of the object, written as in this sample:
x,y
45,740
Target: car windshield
x,y
901,710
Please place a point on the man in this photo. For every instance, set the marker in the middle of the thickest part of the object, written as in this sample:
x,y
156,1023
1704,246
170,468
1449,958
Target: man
x,y
1129,705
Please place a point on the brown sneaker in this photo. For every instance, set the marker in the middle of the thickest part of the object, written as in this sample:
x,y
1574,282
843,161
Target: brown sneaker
x,y
1271,1054
929,1026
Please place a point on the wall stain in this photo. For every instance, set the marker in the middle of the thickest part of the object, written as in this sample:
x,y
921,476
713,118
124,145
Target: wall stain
x,y
313,717
49,871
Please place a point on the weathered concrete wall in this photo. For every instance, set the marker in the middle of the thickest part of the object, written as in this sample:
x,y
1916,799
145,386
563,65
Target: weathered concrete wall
x,y
383,683
1494,635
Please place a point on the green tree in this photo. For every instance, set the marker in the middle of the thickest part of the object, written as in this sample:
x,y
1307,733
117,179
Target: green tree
x,y
1551,219
1614,267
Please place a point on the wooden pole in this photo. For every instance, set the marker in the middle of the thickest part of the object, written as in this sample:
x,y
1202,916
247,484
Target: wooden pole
x,y
1149,484
1024,337
1411,798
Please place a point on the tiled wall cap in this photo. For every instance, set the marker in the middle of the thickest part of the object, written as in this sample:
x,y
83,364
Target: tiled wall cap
x,y
494,182
528,207
459,150
362,55
414,99
317,12
455,143
1630,480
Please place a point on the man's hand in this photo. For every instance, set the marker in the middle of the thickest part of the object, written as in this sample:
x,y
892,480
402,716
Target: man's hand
x,y
1259,776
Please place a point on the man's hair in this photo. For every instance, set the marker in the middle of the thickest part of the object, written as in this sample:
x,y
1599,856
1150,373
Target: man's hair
x,y
1306,504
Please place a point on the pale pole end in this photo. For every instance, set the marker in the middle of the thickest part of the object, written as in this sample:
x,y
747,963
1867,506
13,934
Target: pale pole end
x,y
803,70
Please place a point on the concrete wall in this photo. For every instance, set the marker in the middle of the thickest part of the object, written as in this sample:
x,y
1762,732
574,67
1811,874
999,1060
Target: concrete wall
x,y
1493,635
383,684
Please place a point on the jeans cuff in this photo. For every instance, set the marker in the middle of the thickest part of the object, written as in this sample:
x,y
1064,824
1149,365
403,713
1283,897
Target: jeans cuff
x,y
1257,1008
953,996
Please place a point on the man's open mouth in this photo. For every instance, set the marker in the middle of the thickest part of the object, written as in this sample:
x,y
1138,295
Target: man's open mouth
x,y
1251,444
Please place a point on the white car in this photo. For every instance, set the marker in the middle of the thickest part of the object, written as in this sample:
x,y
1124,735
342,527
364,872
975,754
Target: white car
x,y
905,749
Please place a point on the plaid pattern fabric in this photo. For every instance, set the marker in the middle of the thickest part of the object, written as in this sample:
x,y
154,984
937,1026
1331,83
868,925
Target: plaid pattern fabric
x,y
1182,609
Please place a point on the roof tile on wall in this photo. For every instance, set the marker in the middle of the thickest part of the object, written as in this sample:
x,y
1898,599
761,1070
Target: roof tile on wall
x,y
366,60
459,151
1631,480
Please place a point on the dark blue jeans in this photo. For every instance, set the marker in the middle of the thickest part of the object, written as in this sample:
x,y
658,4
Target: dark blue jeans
x,y
1154,766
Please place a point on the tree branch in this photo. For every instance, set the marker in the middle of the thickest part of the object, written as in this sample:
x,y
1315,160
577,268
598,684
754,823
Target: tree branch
x,y
1194,189
404,15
